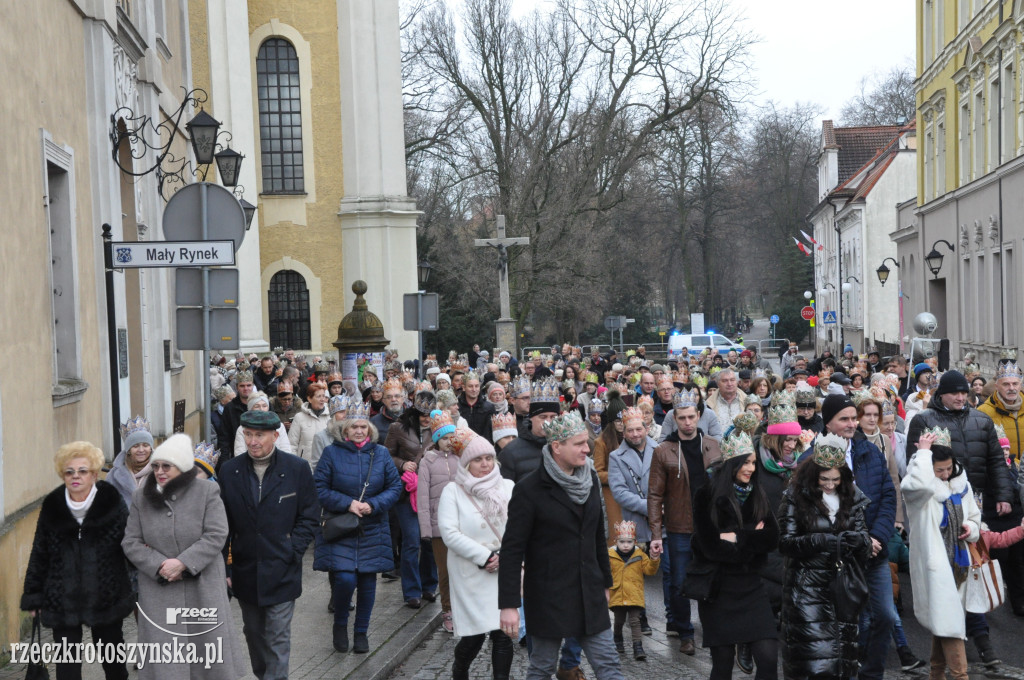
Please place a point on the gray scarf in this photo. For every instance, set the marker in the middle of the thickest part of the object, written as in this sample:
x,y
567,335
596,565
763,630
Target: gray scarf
x,y
577,485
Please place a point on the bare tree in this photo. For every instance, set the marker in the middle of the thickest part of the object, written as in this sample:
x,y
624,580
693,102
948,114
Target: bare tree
x,y
883,99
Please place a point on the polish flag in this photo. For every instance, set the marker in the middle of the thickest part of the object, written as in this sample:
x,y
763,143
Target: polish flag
x,y
801,246
811,240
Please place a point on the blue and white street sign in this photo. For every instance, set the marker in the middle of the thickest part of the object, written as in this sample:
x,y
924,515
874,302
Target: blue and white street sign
x,y
775,318
828,316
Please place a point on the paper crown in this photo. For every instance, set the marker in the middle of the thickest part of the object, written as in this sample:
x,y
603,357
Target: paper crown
x,y
334,378
519,386
207,456
596,406
136,424
758,373
321,367
687,398
625,531
751,399
783,397
440,424
545,391
858,397
1008,370
591,377
338,402
358,411
887,408
784,412
631,413
746,422
564,426
645,399
700,380
1008,354
1000,432
393,384
243,377
664,380
393,366
737,444
425,401
941,435
503,421
461,439
830,451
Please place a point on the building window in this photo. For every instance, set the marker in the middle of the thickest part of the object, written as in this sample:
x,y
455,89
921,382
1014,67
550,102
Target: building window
x,y
992,123
940,28
277,85
940,155
964,138
929,170
928,23
978,135
288,305
1007,118
60,219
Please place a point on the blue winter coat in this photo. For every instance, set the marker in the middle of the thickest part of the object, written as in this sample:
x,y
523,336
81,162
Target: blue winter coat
x,y
871,474
339,478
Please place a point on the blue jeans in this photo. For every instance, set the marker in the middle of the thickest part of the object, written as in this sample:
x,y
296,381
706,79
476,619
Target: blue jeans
x,y
346,583
898,636
876,621
677,556
572,654
419,573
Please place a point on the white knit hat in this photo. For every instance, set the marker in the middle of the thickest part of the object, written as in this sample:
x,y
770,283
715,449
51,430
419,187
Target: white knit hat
x,y
176,450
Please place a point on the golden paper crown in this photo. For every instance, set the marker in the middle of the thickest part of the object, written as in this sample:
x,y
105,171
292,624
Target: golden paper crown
x,y
830,451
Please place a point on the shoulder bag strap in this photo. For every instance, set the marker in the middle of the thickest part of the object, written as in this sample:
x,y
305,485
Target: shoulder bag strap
x,y
477,506
369,471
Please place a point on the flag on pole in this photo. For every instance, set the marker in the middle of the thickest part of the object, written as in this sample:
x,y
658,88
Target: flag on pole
x,y
801,246
811,240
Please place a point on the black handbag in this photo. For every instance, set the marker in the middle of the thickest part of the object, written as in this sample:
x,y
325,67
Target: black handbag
x,y
338,525
701,581
849,585
37,671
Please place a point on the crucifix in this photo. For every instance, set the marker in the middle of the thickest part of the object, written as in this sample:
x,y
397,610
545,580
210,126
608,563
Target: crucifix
x,y
505,327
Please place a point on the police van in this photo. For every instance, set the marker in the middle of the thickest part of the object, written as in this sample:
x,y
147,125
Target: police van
x,y
695,344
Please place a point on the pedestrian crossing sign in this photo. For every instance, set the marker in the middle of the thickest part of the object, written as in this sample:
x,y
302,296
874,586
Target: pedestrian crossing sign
x,y
828,317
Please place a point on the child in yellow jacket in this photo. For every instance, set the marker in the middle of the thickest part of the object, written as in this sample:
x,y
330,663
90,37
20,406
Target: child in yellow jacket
x,y
629,566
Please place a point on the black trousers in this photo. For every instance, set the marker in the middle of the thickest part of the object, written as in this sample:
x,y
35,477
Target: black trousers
x,y
108,634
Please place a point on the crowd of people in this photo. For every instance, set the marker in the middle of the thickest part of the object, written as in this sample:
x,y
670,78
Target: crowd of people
x,y
534,497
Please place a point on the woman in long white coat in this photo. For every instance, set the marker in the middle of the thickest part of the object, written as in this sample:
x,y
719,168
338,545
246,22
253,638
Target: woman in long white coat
x,y
471,518
942,516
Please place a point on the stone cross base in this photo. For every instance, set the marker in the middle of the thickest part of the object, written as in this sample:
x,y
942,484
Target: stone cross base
x,y
506,336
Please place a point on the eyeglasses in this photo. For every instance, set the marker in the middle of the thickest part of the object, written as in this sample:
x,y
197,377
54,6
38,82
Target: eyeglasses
x,y
81,472
161,467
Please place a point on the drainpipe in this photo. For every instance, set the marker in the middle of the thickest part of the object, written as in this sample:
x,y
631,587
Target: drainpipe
x,y
839,269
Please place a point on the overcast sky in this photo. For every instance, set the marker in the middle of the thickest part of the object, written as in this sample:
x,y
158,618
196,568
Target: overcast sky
x,y
818,50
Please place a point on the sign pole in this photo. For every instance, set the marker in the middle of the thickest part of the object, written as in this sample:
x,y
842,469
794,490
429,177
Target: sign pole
x,y
205,372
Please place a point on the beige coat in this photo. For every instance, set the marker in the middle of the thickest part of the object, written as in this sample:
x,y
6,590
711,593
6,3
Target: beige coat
x,y
304,427
187,521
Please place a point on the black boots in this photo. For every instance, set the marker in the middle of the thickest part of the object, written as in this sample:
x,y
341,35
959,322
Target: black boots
x,y
620,645
501,657
638,650
360,645
461,662
341,638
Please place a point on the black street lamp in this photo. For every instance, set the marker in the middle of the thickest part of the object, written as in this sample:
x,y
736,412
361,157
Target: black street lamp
x,y
202,130
423,272
229,164
883,271
250,210
934,258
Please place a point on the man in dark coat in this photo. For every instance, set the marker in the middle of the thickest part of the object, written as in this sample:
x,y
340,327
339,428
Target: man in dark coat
x,y
474,408
232,415
266,379
272,510
523,454
871,475
394,399
555,531
975,444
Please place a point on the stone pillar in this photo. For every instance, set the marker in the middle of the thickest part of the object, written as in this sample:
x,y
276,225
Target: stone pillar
x,y
231,80
376,215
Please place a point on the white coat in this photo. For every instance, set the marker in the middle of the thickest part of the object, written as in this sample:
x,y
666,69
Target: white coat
x,y
938,604
470,541
304,427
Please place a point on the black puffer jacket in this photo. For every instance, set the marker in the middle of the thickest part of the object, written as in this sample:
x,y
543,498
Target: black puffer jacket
x,y
815,643
78,574
521,456
773,570
975,445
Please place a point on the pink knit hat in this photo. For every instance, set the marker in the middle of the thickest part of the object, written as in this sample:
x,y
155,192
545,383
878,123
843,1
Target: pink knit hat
x,y
477,447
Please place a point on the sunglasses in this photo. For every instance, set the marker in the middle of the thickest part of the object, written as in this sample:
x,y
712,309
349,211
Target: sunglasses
x,y
161,467
81,472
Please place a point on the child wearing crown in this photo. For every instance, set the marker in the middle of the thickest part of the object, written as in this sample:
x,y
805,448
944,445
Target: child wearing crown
x,y
629,566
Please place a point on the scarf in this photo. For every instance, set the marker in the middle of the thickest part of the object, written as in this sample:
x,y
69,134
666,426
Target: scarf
x,y
742,492
488,490
501,408
782,466
80,508
878,439
1012,406
949,527
577,485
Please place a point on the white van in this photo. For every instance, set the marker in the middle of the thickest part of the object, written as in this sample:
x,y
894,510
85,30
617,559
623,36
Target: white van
x,y
696,344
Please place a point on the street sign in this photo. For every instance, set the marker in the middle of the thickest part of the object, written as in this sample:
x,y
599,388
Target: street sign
x,y
775,318
828,316
224,219
188,287
807,313
142,254
416,318
614,323
223,328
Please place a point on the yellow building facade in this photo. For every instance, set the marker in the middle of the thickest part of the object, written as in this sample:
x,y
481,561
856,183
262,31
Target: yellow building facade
x,y
970,206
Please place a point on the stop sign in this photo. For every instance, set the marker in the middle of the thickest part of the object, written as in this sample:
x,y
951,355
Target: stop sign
x,y
807,313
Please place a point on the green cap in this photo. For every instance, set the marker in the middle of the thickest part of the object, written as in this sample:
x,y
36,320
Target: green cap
x,y
260,420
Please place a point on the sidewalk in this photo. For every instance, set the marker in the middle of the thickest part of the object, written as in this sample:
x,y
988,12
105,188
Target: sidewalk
x,y
395,632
